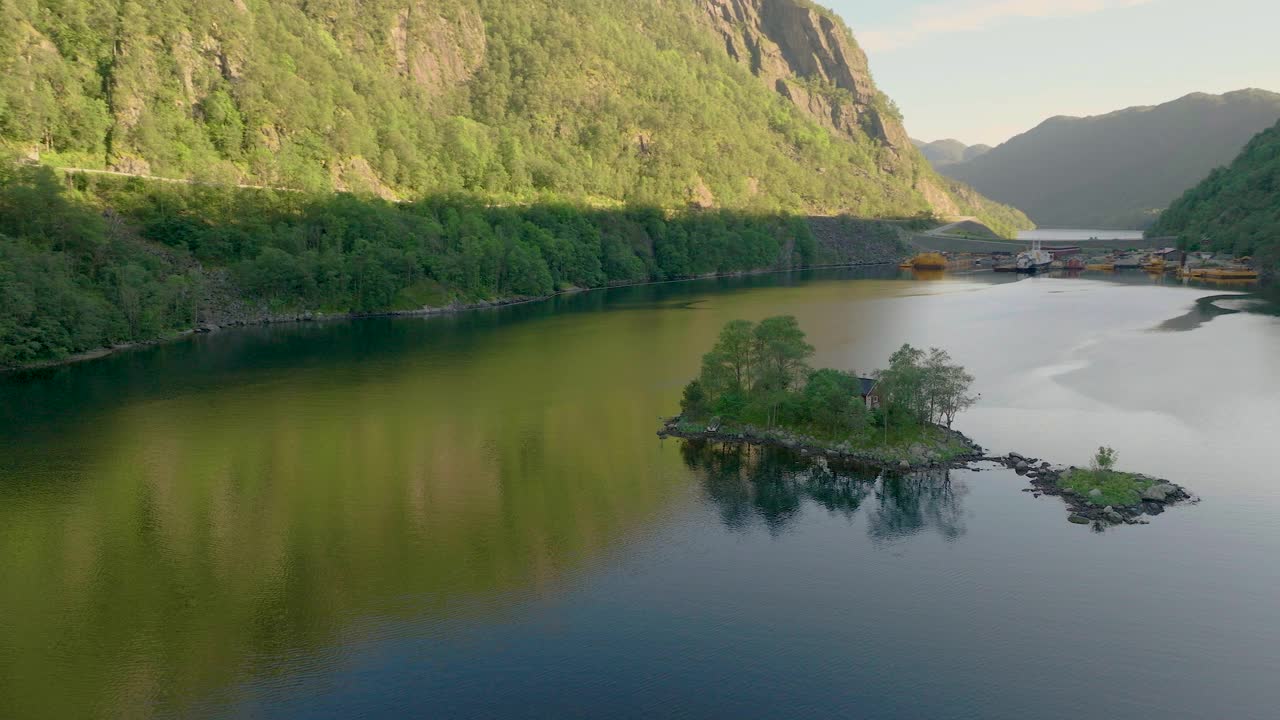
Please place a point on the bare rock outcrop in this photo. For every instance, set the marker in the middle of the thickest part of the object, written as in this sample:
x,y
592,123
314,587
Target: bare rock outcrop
x,y
434,52
809,57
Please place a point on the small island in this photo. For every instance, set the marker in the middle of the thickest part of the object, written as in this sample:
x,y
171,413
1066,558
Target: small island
x,y
756,387
1099,494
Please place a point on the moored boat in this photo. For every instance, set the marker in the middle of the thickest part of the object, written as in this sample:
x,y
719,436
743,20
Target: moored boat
x,y
927,261
1231,273
1033,260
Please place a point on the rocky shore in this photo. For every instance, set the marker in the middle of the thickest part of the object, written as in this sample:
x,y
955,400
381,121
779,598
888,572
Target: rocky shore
x,y
948,448
953,450
1085,509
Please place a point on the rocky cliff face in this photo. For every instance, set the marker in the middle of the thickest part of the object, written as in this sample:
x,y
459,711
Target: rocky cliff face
x,y
434,52
808,57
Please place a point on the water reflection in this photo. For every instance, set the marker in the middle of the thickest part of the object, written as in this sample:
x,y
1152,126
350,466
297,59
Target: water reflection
x,y
912,503
1212,306
769,486
182,522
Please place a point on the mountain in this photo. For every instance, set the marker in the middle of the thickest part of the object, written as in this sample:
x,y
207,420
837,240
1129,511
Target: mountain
x,y
762,104
1234,210
1118,170
488,150
941,153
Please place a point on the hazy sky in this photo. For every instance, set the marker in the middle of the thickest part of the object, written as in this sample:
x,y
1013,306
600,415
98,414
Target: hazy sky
x,y
984,70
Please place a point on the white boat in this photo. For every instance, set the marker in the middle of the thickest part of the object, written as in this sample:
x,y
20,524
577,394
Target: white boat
x,y
1033,260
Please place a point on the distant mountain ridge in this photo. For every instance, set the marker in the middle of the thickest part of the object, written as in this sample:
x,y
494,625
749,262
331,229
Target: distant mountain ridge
x,y
941,153
1118,170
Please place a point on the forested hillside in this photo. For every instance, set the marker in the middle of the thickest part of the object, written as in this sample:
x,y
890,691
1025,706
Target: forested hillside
x,y
1121,169
163,258
482,149
1236,209
759,104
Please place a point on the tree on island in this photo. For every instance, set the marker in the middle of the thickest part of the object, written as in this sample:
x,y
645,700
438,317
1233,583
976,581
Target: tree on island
x,y
926,388
759,374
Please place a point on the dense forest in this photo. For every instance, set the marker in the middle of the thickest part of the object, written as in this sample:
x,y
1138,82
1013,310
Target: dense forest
x,y
90,261
1121,169
1234,210
422,153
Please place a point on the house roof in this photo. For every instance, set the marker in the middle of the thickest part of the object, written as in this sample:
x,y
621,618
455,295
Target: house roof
x,y
867,385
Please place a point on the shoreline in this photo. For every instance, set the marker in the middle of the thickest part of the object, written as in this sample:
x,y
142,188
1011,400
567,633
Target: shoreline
x,y
451,309
917,456
1044,476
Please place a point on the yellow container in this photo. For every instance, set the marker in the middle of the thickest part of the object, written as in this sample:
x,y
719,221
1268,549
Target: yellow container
x,y
929,261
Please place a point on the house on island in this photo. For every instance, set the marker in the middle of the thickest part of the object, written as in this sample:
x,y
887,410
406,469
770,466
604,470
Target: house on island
x,y
869,390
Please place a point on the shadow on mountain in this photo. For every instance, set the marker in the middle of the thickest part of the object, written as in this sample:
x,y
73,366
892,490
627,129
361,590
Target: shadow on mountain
x,y
770,486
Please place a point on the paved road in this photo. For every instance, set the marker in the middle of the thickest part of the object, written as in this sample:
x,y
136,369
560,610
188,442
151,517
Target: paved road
x,y
157,178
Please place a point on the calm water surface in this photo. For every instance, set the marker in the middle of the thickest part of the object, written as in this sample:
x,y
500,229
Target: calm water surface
x,y
471,517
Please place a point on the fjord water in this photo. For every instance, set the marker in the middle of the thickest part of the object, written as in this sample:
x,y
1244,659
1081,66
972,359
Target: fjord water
x,y
470,516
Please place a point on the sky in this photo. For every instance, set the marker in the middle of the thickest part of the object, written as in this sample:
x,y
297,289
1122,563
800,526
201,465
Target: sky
x,y
982,71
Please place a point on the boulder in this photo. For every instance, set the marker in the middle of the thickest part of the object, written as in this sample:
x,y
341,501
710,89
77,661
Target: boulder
x,y
904,465
1078,519
1156,493
1022,466
1095,493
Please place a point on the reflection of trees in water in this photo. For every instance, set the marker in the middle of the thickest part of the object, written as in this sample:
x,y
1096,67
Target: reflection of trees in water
x,y
746,484
918,501
769,485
